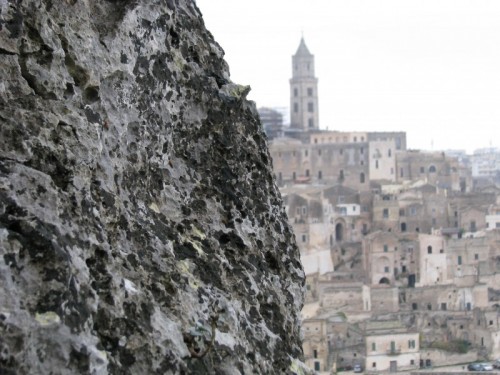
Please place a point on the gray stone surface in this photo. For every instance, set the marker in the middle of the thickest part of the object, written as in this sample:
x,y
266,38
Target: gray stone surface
x,y
141,230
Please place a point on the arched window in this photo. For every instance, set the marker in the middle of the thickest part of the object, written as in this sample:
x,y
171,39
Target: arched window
x,y
432,169
339,232
429,249
384,280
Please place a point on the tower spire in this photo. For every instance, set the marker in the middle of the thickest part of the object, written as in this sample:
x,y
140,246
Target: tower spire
x,y
303,90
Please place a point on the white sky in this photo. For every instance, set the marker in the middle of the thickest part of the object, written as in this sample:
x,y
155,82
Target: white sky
x,y
427,67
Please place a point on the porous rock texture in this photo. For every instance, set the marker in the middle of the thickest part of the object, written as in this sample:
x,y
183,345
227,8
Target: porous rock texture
x,y
141,230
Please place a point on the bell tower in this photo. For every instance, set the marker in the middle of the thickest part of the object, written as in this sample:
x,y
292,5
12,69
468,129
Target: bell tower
x,y
303,91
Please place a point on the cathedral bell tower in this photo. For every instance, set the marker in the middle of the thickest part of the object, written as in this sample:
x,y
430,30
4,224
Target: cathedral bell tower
x,y
303,91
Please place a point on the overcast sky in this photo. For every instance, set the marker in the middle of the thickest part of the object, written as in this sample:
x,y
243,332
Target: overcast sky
x,y
427,67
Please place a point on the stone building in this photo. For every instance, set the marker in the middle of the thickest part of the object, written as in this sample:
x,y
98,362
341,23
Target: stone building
x,y
272,121
433,265
390,347
434,167
315,344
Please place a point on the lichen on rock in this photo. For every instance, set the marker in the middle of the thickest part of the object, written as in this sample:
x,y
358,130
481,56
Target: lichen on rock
x,y
141,230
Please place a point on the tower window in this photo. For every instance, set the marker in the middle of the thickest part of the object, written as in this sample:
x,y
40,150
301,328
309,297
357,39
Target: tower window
x,y
310,107
295,107
295,92
309,91
310,123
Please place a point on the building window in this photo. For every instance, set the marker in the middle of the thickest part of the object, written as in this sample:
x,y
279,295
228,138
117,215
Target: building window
x,y
362,178
386,269
491,322
389,153
476,256
304,210
414,306
374,364
473,226
374,347
429,249
376,164
296,107
295,92
401,172
306,152
294,176
310,123
309,91
411,344
432,169
304,238
315,353
310,107
429,307
361,150
307,172
319,152
385,213
459,260
386,248
422,170
341,151
320,175
443,306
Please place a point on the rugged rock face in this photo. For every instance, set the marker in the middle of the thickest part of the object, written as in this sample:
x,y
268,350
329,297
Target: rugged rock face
x,y
140,227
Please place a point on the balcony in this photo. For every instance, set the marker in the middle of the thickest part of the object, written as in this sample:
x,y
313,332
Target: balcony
x,y
394,351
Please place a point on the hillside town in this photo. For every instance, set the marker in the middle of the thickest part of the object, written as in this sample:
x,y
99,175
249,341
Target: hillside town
x,y
401,247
